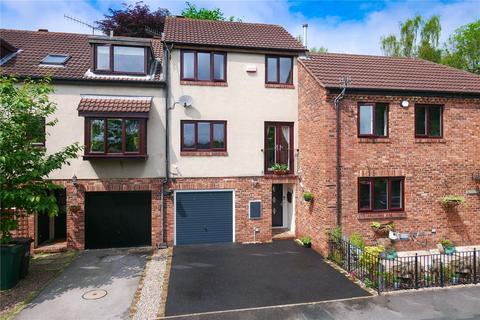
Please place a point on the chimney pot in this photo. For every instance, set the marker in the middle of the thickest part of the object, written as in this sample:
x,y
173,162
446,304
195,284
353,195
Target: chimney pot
x,y
43,30
305,27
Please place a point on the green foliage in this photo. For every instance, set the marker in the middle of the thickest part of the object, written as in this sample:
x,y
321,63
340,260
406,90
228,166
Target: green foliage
x,y
335,233
446,243
462,50
308,196
357,240
306,240
452,200
23,165
418,38
279,167
191,11
321,49
376,226
369,257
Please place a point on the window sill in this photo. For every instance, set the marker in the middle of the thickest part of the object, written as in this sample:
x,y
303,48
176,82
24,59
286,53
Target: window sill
x,y
204,154
204,83
430,140
373,140
115,156
289,176
279,86
381,215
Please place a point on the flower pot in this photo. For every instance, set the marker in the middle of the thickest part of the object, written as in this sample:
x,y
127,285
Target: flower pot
x,y
449,250
391,255
25,260
10,260
307,245
280,172
382,233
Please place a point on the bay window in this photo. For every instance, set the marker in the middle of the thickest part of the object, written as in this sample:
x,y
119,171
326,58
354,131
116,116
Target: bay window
x,y
381,194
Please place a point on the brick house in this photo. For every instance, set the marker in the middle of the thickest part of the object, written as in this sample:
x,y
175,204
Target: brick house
x,y
409,135
155,168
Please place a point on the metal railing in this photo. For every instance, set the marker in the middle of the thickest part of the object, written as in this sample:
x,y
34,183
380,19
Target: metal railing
x,y
409,272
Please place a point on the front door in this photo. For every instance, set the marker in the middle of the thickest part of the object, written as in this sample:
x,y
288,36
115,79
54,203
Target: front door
x,y
277,205
278,145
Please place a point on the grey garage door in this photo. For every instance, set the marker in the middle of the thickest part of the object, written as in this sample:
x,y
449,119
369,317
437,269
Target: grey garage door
x,y
204,217
117,219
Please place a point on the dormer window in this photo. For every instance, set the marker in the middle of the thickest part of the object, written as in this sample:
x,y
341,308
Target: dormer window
x,y
120,59
55,59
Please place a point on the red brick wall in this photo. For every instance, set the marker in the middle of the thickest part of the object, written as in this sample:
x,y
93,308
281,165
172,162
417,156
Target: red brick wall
x,y
432,168
244,192
76,196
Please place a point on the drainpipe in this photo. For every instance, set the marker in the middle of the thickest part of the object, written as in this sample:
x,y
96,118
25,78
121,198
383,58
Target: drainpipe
x,y
338,112
167,137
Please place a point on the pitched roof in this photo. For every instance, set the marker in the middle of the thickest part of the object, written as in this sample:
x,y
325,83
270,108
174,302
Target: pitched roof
x,y
114,104
389,73
34,46
229,34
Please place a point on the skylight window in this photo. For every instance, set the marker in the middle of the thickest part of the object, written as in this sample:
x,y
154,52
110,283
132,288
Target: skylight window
x,y
55,59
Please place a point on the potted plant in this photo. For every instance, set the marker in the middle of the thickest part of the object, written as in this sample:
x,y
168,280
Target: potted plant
x,y
24,189
382,229
75,208
391,253
279,169
450,201
306,241
448,246
308,196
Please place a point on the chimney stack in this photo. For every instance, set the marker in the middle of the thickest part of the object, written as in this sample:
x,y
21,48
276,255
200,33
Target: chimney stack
x,y
42,30
305,27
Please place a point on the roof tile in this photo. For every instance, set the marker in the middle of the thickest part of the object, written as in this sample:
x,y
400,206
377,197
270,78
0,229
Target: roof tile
x,y
115,104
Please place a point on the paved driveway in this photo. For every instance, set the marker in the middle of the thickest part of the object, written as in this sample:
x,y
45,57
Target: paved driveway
x,y
207,278
117,271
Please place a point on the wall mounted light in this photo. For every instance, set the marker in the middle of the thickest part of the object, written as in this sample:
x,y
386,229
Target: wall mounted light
x,y
75,181
404,104
254,182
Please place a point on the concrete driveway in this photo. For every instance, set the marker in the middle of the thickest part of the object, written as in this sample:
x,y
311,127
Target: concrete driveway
x,y
209,278
116,271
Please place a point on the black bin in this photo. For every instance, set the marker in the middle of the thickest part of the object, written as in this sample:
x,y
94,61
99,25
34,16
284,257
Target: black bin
x,y
25,263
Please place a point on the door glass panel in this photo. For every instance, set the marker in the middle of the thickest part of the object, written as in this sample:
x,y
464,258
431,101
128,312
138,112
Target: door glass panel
x,y
435,121
364,196
420,127
188,65
284,146
114,135
189,135
381,120
218,136
396,187
203,66
203,140
380,194
366,119
97,130
270,150
218,66
132,135
272,69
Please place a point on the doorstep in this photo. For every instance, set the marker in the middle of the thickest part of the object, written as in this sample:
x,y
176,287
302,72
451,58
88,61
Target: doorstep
x,y
52,248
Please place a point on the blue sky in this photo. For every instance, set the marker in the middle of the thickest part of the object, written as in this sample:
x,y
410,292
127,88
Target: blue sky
x,y
341,26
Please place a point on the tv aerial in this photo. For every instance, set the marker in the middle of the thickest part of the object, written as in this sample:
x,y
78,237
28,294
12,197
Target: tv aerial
x,y
66,16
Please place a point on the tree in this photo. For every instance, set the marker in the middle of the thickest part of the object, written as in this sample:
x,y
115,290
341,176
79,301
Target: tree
x,y
462,49
321,49
24,166
191,11
418,38
132,20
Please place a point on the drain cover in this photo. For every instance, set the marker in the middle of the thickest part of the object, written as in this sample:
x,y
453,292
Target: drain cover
x,y
94,294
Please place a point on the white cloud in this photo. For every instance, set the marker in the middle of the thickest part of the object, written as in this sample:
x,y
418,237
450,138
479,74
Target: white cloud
x,y
355,36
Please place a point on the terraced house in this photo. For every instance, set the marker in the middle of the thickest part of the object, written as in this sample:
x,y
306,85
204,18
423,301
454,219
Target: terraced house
x,y
215,130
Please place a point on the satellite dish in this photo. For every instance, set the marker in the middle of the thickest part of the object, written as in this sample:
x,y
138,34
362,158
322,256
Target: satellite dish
x,y
185,101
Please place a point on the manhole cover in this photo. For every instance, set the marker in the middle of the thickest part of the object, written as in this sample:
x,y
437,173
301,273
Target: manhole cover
x,y
94,294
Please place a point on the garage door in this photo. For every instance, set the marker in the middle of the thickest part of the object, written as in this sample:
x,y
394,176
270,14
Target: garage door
x,y
117,219
204,217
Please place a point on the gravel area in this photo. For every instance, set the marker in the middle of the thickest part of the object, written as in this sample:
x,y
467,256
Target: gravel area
x,y
149,294
43,268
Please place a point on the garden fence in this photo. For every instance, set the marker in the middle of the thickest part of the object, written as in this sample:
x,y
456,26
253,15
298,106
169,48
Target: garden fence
x,y
408,272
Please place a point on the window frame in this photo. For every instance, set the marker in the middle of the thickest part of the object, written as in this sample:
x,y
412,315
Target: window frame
x,y
111,69
196,149
278,70
43,141
64,62
374,124
427,123
250,211
278,127
142,152
371,181
195,65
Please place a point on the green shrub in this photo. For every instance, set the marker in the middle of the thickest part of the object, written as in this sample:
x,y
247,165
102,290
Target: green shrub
x,y
308,196
279,167
306,240
357,240
335,233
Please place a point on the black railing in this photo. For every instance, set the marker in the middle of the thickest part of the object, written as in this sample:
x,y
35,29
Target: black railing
x,y
409,272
